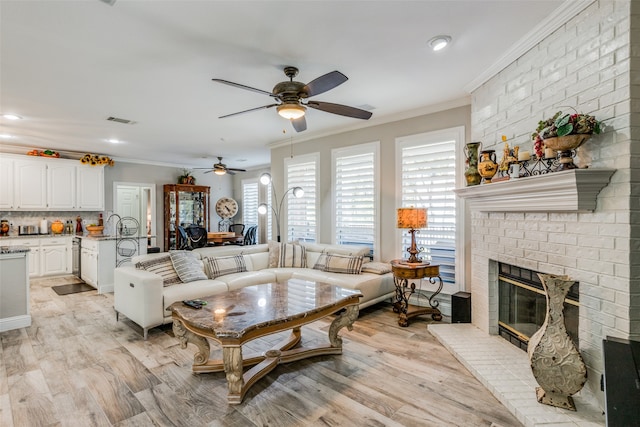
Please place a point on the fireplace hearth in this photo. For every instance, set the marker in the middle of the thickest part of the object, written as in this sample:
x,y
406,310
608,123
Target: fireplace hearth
x,y
522,305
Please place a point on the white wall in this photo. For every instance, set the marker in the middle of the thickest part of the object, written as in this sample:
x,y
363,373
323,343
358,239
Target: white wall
x,y
386,134
585,64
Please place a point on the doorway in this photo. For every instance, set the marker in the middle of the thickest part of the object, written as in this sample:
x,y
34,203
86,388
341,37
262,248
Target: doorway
x,y
137,200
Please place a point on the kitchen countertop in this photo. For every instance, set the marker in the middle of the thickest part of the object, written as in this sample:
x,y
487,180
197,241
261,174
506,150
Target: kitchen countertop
x,y
83,236
13,249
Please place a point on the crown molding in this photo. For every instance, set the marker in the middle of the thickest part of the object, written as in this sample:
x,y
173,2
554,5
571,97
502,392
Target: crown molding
x,y
557,19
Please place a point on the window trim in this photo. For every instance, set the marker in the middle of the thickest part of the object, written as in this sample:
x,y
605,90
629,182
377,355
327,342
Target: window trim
x,y
457,133
365,148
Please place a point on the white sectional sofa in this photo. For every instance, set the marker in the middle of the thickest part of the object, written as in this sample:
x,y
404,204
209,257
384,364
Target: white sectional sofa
x,y
143,296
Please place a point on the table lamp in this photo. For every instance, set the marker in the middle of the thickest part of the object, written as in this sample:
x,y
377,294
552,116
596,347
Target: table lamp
x,y
412,219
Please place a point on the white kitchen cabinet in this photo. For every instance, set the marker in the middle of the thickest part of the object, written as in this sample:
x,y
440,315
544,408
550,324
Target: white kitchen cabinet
x,y
55,255
90,191
61,185
30,184
97,262
6,178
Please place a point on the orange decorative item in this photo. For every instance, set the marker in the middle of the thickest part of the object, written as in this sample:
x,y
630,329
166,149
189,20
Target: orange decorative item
x,y
57,227
95,230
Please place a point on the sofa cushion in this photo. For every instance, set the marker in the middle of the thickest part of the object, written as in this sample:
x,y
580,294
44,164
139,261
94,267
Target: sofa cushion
x,y
187,266
292,255
163,267
220,266
274,253
343,264
248,278
376,267
191,290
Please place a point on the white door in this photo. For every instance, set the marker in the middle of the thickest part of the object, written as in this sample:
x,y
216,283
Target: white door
x,y
136,201
128,203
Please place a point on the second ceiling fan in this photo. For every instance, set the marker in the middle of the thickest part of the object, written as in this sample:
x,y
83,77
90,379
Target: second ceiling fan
x,y
292,98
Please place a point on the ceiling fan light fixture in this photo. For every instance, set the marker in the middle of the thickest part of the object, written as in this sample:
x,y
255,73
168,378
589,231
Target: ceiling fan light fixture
x,y
11,116
439,42
291,111
220,171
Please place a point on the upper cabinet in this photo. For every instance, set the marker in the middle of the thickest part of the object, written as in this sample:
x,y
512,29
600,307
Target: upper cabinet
x,y
6,187
36,183
90,188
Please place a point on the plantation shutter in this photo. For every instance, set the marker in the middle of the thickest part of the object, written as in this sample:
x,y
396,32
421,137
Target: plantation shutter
x,y
428,180
249,203
355,198
301,212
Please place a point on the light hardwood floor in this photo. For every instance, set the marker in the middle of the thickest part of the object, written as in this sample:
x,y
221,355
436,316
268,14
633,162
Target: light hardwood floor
x,y
77,366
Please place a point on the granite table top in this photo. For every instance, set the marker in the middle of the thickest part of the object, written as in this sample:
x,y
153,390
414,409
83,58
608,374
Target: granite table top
x,y
236,313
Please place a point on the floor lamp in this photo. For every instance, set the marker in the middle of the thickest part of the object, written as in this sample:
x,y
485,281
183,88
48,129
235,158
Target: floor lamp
x,y
265,179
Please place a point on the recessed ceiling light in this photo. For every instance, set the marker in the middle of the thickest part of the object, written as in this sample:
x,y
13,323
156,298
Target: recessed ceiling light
x,y
11,116
114,141
439,42
5,136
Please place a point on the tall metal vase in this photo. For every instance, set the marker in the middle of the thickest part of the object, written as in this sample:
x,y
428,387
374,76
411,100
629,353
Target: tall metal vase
x,y
471,173
555,361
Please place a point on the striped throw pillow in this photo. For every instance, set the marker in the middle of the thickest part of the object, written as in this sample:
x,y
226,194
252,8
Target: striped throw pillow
x,y
344,264
163,267
292,255
220,266
187,266
376,267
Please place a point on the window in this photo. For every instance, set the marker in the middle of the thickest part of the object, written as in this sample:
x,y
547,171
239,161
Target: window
x,y
355,193
428,173
249,202
301,218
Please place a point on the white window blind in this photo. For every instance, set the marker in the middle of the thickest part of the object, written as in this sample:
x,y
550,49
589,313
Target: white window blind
x,y
249,203
355,196
301,212
428,177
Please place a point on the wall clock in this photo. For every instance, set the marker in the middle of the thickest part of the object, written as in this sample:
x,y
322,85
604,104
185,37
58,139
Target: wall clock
x,y
226,207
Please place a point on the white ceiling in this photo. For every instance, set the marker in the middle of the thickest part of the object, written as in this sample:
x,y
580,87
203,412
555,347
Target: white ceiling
x,y
67,65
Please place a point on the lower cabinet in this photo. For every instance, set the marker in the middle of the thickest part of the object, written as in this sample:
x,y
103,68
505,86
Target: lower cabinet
x,y
97,262
48,256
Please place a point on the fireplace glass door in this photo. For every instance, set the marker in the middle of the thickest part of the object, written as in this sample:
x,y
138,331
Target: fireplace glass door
x,y
522,306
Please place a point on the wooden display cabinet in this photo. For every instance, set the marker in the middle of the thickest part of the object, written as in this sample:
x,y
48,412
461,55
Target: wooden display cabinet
x,y
184,205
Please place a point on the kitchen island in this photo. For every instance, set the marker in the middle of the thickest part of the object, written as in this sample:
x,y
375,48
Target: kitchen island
x,y
14,288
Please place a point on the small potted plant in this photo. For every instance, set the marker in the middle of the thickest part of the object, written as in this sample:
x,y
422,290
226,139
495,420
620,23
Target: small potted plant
x,y
564,133
186,177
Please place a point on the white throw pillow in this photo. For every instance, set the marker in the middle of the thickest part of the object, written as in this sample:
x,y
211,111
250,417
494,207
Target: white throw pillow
x,y
187,266
223,265
292,255
344,264
376,267
163,267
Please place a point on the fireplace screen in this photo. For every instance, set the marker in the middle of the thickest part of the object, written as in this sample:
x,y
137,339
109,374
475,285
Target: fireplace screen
x,y
522,305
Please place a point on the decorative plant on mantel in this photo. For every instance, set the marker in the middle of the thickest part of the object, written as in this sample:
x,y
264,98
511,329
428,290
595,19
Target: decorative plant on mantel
x,y
564,133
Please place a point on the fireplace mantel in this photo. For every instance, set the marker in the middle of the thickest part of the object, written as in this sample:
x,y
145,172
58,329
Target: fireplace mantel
x,y
574,190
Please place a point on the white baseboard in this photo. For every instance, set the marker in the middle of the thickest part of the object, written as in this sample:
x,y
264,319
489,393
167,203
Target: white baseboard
x,y
15,322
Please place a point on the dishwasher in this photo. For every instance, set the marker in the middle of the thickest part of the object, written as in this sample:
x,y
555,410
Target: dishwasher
x,y
75,253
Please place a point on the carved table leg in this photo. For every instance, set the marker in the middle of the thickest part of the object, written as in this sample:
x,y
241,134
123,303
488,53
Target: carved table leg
x,y
347,318
232,358
185,336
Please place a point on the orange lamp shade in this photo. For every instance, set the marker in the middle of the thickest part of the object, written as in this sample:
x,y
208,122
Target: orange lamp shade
x,y
412,218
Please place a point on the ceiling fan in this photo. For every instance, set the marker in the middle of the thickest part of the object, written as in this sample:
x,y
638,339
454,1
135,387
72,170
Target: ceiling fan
x,y
292,98
221,169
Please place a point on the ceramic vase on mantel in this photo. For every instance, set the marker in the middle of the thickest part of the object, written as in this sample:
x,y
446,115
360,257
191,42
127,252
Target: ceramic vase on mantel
x,y
471,174
555,361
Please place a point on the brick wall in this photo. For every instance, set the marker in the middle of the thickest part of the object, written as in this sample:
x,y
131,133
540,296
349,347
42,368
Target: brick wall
x,y
586,64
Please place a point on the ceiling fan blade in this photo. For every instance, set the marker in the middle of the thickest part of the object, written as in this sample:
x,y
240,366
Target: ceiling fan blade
x,y
324,83
230,172
252,89
343,110
248,111
236,169
209,171
299,124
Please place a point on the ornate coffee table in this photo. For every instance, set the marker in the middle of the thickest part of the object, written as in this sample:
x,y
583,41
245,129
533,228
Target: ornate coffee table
x,y
239,316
